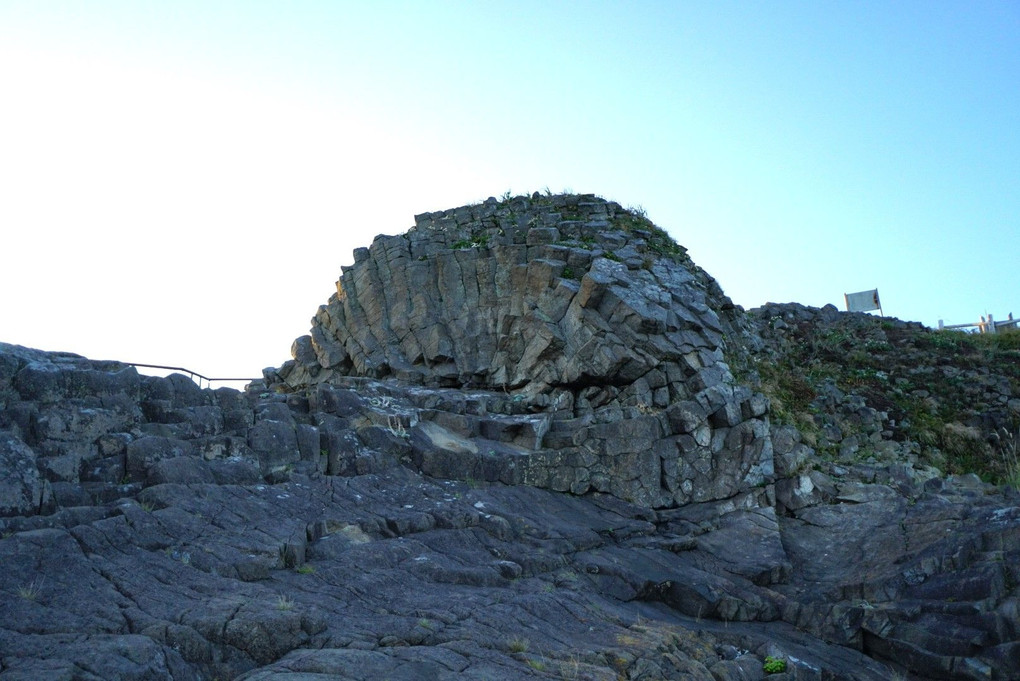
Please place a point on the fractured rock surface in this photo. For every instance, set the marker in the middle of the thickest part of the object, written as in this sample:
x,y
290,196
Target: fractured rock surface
x,y
609,340
364,513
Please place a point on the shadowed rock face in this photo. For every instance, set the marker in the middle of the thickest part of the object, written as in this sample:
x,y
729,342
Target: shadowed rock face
x,y
328,524
590,317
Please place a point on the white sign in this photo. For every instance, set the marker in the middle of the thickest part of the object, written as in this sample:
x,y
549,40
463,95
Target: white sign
x,y
862,301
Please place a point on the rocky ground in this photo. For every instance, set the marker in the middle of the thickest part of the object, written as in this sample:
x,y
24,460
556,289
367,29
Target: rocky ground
x,y
602,472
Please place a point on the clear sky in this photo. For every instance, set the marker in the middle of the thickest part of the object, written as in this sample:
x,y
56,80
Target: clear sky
x,y
180,182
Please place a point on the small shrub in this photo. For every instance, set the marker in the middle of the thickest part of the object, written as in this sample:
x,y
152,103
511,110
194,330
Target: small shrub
x,y
774,665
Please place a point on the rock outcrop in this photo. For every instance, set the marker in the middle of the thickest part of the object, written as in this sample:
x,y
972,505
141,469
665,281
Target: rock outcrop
x,y
607,341
402,500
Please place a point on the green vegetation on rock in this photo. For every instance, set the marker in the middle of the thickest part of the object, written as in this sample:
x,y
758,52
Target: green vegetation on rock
x,y
942,396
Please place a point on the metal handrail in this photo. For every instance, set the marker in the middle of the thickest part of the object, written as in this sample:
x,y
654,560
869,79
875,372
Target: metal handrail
x,y
985,325
191,373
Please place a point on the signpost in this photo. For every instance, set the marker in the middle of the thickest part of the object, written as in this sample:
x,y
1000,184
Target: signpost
x,y
862,301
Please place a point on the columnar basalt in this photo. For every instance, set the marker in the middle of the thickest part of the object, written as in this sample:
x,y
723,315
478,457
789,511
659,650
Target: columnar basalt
x,y
590,317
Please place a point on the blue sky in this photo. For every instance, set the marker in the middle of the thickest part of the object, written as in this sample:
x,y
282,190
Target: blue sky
x,y
181,182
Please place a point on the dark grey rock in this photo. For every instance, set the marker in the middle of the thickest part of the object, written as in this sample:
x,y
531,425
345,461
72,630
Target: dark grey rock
x,y
548,474
275,443
145,452
23,491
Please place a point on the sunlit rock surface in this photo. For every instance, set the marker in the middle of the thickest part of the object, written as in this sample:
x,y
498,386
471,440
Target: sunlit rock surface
x,y
527,439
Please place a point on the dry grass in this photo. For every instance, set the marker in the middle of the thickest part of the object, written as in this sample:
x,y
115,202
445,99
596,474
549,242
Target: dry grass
x,y
1009,451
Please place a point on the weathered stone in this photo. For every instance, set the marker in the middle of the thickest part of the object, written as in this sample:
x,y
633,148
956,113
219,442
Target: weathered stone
x,y
180,470
804,490
22,490
543,330
275,443
503,469
144,452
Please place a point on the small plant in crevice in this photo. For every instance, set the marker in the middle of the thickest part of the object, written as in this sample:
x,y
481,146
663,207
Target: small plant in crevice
x,y
305,569
30,592
283,603
638,211
518,645
774,665
476,240
396,427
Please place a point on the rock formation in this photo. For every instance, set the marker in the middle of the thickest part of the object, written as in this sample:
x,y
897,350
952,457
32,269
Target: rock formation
x,y
608,341
527,439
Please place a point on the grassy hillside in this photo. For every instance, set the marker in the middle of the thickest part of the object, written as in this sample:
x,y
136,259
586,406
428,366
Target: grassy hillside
x,y
863,388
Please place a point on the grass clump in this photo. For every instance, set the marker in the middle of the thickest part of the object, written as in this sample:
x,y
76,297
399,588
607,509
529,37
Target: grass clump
x,y
789,391
1008,444
657,240
479,241
29,592
518,645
